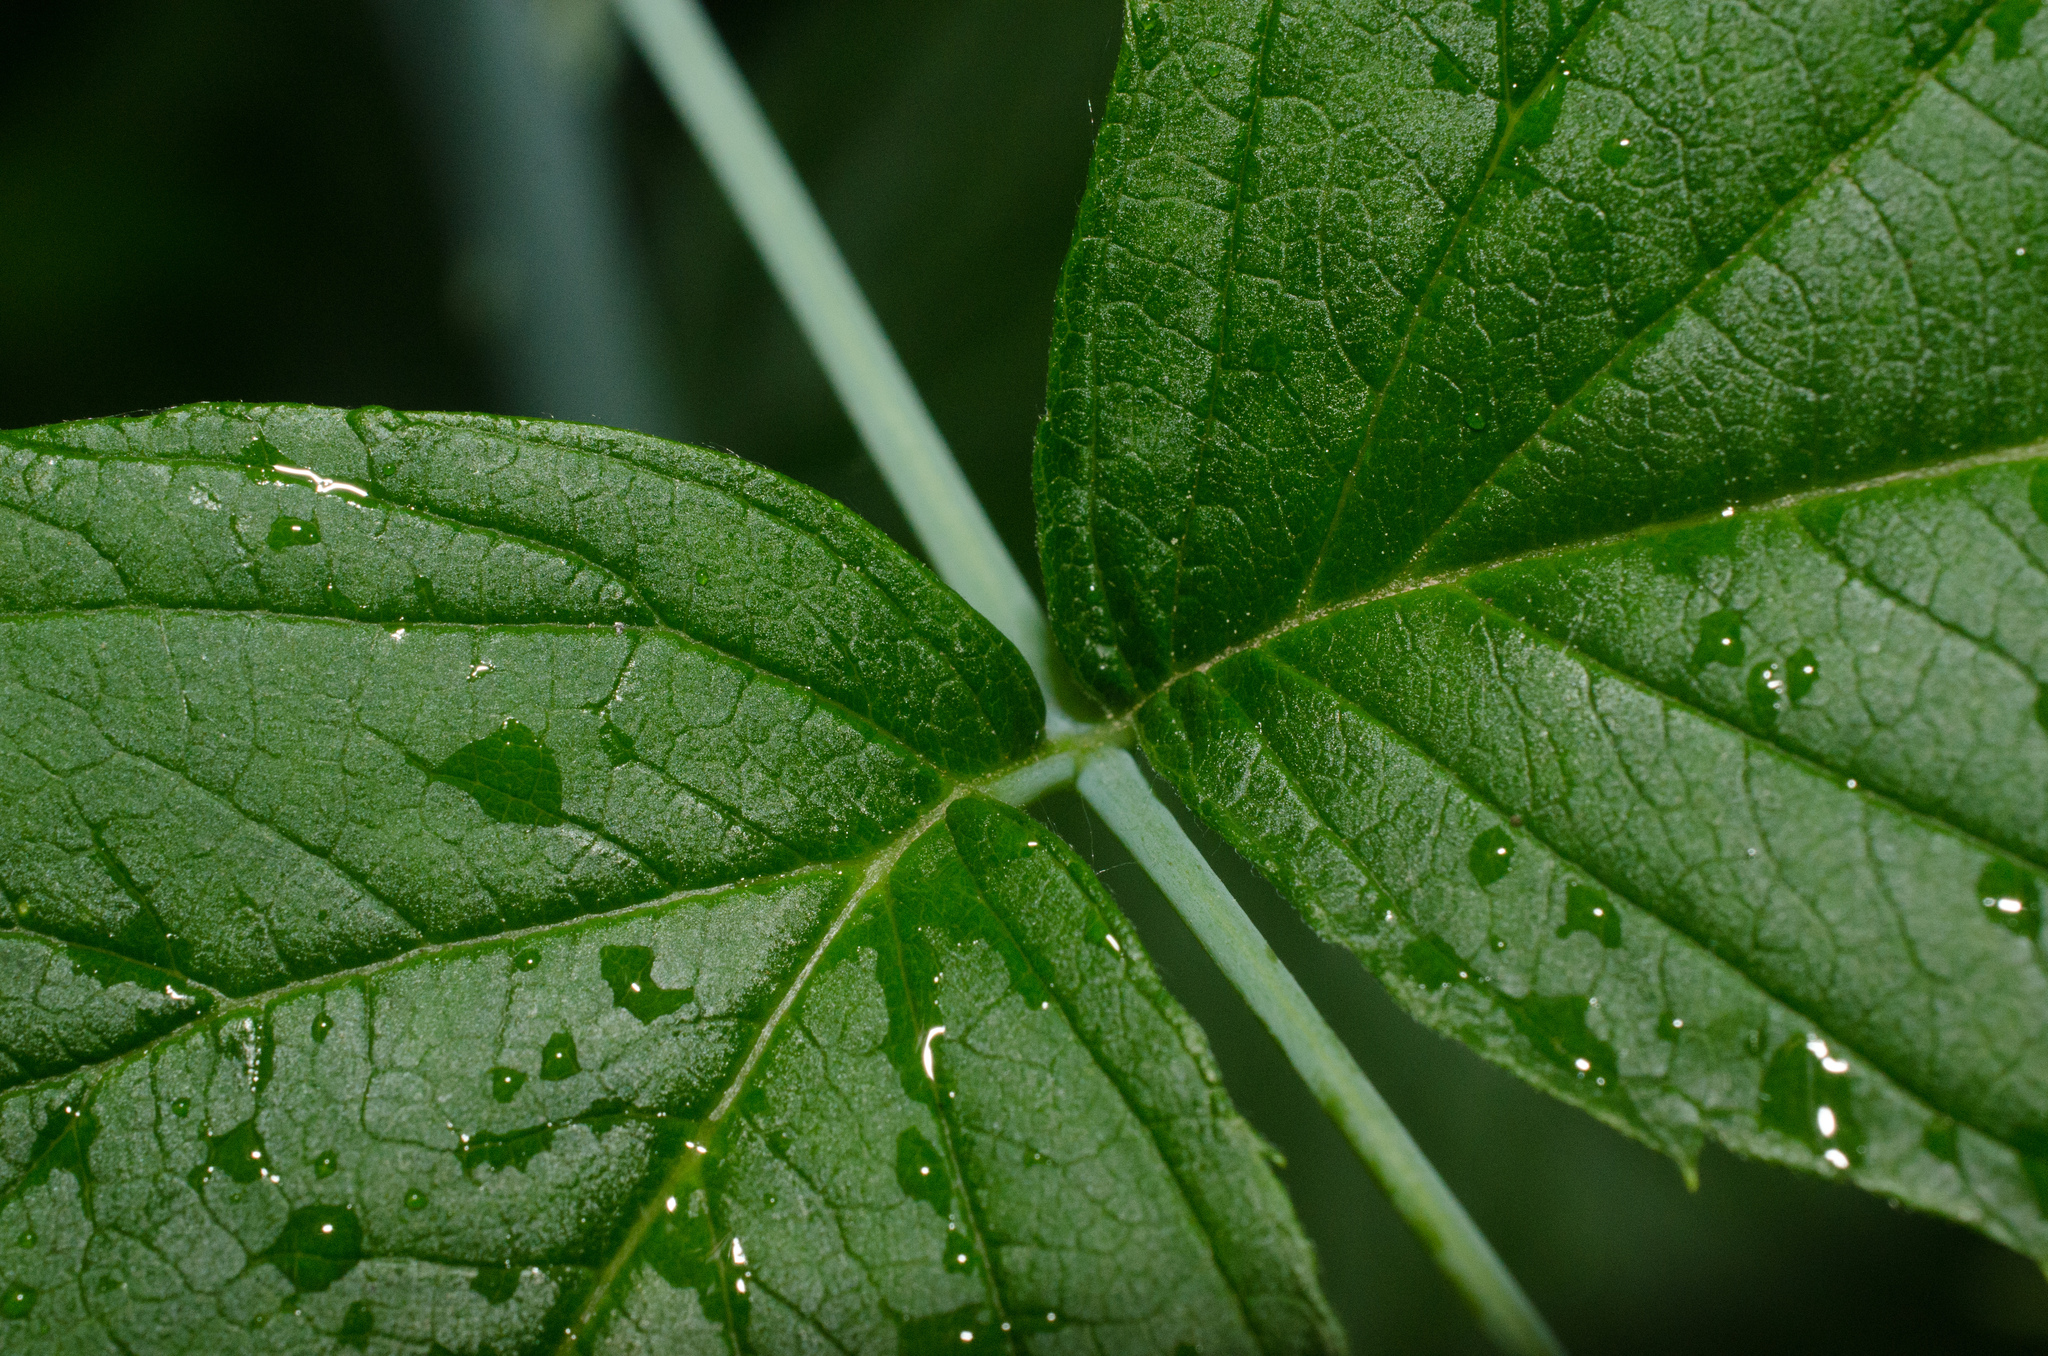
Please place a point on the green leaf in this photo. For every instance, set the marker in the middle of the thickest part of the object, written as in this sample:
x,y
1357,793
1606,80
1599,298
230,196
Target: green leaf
x,y
536,898
1560,491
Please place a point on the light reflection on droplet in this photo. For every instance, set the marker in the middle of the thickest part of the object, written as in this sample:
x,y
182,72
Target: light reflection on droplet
x,y
925,1054
1825,1119
321,484
739,1254
1114,944
1837,1158
1818,1048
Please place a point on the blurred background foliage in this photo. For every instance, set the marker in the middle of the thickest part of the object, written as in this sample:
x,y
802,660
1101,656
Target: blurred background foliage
x,y
484,204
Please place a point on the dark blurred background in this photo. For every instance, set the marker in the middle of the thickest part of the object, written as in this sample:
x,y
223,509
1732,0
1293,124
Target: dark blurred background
x,y
484,204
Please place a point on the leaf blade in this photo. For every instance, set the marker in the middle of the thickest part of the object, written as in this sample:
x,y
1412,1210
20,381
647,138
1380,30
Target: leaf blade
x,y
510,951
1344,450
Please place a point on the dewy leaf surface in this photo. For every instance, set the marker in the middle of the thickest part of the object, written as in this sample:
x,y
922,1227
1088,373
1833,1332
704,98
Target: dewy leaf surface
x,y
486,886
1561,489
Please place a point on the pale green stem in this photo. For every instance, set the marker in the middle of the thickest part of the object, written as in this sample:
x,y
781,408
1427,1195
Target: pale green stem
x,y
716,106
712,98
1113,785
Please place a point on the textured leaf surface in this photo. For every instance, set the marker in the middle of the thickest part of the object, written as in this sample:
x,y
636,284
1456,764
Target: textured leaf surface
x,y
1559,487
481,886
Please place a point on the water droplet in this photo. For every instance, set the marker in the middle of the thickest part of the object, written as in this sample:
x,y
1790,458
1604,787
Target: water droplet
x,y
27,1239
1806,1095
921,1172
326,1163
2011,897
415,1199
1430,962
1491,855
526,960
181,1107
558,1058
1617,151
1556,1027
1939,1139
356,1325
286,532
318,1245
514,1150
18,1301
616,743
1767,692
1720,639
505,1083
511,775
2008,24
1802,671
629,970
495,1284
1588,910
321,1026
237,1152
1475,418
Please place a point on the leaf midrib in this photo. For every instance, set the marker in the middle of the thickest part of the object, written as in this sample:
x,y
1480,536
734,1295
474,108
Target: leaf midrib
x,y
1508,119
1118,1078
379,494
1412,583
251,1004
943,1116
1677,929
1240,182
878,868
1826,172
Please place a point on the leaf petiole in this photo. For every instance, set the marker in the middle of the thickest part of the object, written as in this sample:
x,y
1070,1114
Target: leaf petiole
x,y
713,101
1112,783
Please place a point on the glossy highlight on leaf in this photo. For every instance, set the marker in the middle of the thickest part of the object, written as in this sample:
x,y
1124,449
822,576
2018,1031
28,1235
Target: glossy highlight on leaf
x,y
512,776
